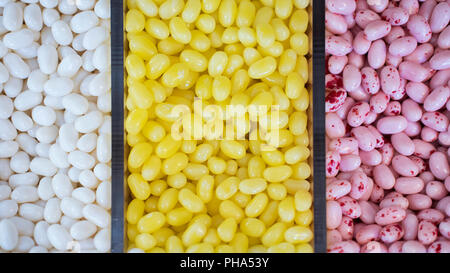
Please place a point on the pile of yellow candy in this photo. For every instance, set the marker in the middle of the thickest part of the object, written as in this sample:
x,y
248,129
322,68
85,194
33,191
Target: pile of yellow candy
x,y
215,194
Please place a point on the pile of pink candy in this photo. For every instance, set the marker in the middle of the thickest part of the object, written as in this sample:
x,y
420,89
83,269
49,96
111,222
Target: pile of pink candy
x,y
387,125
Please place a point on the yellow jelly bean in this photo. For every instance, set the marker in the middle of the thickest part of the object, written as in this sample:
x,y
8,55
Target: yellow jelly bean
x,y
239,81
168,200
299,21
217,98
246,14
151,204
303,200
297,123
134,21
263,15
190,201
148,7
139,154
301,170
274,235
205,188
135,211
257,205
252,185
273,158
230,35
252,227
227,229
151,168
212,237
174,245
145,241
227,12
169,46
221,88
151,222
142,46
304,248
216,165
298,234
199,41
156,66
195,60
205,23
304,218
278,173
296,154
232,148
283,8
191,11
162,235
224,249
300,43
209,6
131,232
281,248
227,188
175,75
175,163
177,180
270,214
179,31
276,191
294,85
170,8
138,186
241,199
282,32
195,171
188,146
301,4
217,63
240,243
265,35
194,233
167,147
157,28
142,97
202,153
251,55
293,186
135,66
153,131
228,209
286,209
178,216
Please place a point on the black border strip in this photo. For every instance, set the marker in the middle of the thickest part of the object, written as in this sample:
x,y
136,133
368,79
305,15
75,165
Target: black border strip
x,y
117,127
320,231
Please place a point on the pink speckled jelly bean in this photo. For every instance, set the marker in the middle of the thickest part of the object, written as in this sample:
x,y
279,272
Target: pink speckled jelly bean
x,y
387,126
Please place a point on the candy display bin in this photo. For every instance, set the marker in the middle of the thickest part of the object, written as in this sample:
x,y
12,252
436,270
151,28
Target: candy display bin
x,y
121,195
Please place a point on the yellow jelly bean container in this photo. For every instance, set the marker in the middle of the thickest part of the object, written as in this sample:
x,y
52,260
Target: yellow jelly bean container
x,y
218,126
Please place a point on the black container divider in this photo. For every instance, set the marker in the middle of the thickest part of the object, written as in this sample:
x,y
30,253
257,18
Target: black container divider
x,y
117,210
320,231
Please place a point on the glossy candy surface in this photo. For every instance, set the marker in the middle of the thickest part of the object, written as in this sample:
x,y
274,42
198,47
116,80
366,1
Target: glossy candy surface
x,y
221,186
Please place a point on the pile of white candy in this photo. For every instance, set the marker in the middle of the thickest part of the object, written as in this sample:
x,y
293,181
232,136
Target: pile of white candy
x,y
55,126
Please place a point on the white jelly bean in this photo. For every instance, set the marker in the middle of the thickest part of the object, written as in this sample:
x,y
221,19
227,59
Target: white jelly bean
x,y
42,166
9,236
97,215
82,230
